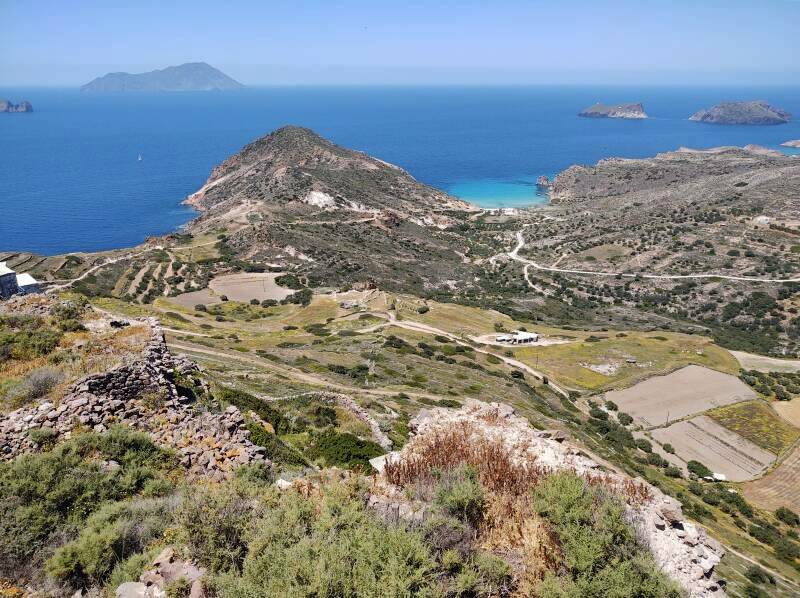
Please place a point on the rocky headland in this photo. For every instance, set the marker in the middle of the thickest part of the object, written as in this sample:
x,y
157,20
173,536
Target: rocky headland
x,y
629,111
7,106
791,143
192,76
757,112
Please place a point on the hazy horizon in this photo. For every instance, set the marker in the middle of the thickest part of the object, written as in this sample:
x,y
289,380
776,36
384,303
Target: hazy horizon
x,y
513,42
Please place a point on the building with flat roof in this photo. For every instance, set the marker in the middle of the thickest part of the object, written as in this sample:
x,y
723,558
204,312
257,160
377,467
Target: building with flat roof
x,y
12,283
518,337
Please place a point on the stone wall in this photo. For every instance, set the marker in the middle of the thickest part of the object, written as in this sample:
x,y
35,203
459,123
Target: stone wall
x,y
210,442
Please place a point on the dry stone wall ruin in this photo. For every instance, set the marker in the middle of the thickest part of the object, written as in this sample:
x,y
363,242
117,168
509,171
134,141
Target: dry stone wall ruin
x,y
210,441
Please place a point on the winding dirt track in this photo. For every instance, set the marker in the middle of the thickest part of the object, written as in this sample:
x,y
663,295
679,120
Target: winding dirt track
x,y
514,255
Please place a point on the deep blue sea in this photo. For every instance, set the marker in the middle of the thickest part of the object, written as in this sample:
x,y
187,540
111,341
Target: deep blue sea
x,y
70,178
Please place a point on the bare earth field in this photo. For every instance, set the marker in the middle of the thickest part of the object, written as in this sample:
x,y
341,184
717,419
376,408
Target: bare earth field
x,y
789,411
723,451
779,488
249,285
238,287
687,391
762,363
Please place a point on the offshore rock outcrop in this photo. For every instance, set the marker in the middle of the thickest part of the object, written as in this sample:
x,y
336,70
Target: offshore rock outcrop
x,y
758,112
210,442
629,111
7,106
682,549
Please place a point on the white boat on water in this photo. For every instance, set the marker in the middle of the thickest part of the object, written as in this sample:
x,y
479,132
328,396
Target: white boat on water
x,y
140,157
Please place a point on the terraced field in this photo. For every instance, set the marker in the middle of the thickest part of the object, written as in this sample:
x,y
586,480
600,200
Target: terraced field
x,y
758,423
688,391
722,451
779,487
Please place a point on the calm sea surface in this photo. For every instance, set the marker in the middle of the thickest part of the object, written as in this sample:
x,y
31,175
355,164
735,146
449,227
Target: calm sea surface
x,y
70,178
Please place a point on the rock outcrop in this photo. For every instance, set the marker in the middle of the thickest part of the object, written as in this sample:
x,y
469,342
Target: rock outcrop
x,y
681,548
165,569
758,112
210,442
631,111
24,106
791,143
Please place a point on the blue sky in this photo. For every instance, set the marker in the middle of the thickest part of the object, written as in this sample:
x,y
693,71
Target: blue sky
x,y
407,41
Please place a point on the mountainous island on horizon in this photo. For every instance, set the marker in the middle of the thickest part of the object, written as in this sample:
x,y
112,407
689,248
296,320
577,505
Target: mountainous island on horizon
x,y
191,76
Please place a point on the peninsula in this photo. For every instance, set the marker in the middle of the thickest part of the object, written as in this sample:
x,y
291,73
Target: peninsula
x,y
192,76
630,111
7,106
791,143
757,112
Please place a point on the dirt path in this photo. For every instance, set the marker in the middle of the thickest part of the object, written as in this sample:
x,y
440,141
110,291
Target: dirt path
x,y
427,329
514,255
750,361
68,283
297,374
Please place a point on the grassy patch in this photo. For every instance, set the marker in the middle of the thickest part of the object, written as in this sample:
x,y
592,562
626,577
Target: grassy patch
x,y
755,421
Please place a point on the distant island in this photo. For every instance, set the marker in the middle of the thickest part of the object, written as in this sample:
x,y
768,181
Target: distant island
x,y
192,76
792,143
757,112
7,106
634,111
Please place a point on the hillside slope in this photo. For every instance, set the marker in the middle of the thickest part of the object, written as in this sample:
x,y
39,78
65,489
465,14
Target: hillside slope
x,y
343,215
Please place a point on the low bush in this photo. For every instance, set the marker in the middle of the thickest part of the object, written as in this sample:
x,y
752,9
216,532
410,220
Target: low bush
x,y
45,495
343,450
698,469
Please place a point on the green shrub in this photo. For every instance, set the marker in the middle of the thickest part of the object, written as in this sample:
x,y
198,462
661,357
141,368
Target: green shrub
x,y
460,494
247,402
788,516
698,469
44,494
644,445
601,554
756,574
111,535
331,546
624,418
277,451
343,450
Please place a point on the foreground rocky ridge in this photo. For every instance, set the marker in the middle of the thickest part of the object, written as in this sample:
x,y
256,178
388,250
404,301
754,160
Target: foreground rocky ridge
x,y
210,442
683,550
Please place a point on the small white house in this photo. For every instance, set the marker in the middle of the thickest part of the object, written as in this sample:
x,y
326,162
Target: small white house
x,y
12,283
518,337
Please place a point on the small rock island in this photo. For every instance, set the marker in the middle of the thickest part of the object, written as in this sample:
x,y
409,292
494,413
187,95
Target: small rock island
x,y
791,143
192,76
7,106
633,111
757,112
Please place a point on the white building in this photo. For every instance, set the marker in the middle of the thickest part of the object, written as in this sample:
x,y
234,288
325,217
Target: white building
x,y
518,337
12,283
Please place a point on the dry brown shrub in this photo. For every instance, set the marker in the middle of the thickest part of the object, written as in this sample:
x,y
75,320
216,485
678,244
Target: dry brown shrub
x,y
631,491
512,528
445,450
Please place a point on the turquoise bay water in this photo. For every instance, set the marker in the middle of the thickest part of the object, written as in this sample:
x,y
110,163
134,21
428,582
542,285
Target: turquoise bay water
x,y
70,179
487,193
